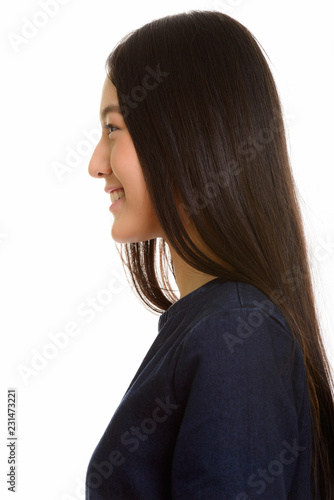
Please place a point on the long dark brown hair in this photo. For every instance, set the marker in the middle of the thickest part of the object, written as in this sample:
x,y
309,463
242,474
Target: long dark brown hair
x,y
201,105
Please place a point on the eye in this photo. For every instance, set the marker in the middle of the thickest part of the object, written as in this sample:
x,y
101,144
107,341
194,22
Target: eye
x,y
109,127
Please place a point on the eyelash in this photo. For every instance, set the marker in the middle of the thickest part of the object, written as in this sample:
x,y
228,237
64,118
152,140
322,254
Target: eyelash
x,y
109,126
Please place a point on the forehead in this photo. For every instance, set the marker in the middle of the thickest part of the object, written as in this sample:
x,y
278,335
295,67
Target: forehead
x,y
109,93
109,101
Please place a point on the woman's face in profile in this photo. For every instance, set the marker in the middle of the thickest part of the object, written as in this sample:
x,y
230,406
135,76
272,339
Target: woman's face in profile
x,y
115,160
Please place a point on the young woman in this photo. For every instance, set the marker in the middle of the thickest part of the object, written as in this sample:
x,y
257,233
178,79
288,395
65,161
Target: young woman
x,y
234,398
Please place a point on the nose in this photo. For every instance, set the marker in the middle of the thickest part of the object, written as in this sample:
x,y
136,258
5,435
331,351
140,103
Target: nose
x,y
99,165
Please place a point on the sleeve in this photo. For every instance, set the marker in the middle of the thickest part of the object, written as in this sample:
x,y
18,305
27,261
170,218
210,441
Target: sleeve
x,y
244,430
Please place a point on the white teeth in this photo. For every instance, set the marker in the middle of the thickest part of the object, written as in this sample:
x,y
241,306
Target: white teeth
x,y
116,195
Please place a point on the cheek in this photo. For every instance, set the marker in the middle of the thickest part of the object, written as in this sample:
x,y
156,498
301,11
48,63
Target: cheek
x,y
123,156
119,157
138,194
127,168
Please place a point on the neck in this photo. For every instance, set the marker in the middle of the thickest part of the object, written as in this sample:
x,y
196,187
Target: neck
x,y
187,278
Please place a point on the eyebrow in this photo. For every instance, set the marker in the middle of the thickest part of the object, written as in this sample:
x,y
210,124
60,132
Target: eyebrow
x,y
112,108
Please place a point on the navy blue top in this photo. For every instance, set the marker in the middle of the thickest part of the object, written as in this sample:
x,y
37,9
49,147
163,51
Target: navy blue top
x,y
217,410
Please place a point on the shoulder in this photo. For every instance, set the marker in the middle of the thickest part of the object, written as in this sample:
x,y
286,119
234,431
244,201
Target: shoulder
x,y
226,297
236,311
241,335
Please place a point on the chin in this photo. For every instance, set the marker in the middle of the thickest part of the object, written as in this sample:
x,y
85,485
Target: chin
x,y
126,237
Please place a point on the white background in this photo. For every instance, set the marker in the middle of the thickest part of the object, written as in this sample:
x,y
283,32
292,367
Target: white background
x,y
56,252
